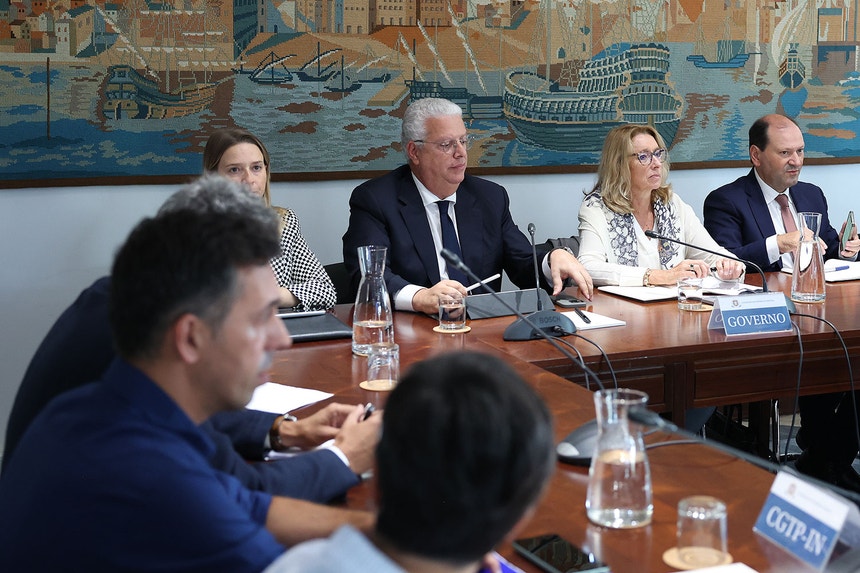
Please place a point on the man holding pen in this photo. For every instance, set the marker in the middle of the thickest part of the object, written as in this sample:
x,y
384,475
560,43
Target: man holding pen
x,y
430,204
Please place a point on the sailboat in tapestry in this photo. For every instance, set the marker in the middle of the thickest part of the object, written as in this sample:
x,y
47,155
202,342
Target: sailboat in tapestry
x,y
174,59
569,103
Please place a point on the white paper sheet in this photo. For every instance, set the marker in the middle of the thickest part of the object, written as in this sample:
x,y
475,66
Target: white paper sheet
x,y
277,398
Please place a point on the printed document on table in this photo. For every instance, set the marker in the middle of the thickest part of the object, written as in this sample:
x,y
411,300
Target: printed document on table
x,y
277,398
597,320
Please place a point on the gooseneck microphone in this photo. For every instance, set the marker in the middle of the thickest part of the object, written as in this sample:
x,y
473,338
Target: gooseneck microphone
x,y
551,323
654,235
531,228
577,447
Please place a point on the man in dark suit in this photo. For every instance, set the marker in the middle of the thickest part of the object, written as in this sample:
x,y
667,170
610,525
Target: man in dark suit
x,y
419,208
79,348
746,217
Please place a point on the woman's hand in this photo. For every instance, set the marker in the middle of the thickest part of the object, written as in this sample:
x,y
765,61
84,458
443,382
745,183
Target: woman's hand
x,y
728,269
685,269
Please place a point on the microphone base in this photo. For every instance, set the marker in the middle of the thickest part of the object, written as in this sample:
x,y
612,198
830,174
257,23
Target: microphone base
x,y
551,323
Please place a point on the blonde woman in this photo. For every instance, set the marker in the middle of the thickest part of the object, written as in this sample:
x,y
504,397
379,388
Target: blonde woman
x,y
631,196
238,154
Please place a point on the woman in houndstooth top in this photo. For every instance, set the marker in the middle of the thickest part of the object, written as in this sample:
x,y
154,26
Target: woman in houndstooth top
x,y
240,155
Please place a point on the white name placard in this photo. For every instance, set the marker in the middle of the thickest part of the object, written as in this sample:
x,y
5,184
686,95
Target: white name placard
x,y
802,519
751,313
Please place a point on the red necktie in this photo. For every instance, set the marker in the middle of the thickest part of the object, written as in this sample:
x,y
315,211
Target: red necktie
x,y
787,218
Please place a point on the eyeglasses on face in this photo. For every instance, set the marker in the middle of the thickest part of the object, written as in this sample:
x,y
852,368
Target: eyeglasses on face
x,y
645,157
449,145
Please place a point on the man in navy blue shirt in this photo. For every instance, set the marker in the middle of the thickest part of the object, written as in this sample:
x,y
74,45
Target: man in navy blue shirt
x,y
127,482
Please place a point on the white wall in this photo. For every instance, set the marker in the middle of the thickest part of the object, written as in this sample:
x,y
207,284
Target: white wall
x,y
55,242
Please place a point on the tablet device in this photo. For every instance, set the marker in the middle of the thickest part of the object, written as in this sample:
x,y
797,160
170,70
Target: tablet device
x,y
319,326
525,301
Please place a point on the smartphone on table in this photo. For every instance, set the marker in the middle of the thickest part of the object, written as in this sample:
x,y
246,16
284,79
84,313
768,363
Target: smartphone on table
x,y
568,301
849,230
554,554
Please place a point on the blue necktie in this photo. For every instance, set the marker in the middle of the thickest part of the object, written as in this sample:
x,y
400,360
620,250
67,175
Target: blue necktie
x,y
450,242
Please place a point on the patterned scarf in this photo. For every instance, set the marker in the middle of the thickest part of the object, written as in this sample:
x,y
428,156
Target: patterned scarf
x,y
622,232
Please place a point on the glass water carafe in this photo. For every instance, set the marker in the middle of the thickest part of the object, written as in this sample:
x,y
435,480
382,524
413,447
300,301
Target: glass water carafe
x,y
807,279
372,321
619,480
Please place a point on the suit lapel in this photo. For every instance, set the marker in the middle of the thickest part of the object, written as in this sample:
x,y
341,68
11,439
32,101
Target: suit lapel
x,y
415,218
758,207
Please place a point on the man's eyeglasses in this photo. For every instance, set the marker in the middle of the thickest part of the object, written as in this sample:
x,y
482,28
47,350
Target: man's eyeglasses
x,y
449,145
645,157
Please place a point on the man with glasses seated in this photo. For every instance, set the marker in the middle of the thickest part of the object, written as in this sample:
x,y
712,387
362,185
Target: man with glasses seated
x,y
430,204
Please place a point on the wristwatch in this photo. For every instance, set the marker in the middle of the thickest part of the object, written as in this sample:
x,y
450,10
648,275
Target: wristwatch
x,y
275,432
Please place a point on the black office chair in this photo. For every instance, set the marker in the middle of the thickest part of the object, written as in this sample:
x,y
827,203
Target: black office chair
x,y
340,277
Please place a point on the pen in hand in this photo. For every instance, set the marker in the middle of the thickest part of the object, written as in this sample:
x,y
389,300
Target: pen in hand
x,y
581,315
368,410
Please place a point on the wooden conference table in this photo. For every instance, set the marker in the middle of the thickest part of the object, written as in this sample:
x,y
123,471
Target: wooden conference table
x,y
669,354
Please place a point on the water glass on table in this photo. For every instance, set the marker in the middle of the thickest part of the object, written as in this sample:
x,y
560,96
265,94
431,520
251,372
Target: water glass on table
x,y
383,367
452,312
690,293
702,534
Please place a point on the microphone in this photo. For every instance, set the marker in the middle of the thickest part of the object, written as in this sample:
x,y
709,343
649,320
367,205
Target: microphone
x,y
788,302
845,563
577,447
551,323
531,228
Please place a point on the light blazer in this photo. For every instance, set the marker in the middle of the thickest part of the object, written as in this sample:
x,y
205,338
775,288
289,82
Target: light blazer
x,y
388,211
737,217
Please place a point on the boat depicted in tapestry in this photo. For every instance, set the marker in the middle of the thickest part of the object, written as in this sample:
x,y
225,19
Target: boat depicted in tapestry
x,y
176,58
725,53
572,105
129,95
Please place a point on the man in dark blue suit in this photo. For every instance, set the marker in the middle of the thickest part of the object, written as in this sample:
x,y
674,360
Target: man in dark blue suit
x,y
745,215
746,218
79,348
408,209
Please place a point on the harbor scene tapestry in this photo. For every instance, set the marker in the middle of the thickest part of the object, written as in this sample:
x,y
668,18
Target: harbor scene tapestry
x,y
93,91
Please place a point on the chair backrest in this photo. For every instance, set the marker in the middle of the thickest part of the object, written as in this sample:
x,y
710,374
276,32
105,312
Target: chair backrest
x,y
571,242
340,277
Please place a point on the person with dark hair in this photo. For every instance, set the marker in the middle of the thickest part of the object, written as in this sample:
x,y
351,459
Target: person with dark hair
x,y
755,217
78,349
240,155
127,482
749,216
432,203
465,453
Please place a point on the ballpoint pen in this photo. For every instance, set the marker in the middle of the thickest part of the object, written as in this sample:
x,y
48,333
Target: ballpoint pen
x,y
581,315
470,288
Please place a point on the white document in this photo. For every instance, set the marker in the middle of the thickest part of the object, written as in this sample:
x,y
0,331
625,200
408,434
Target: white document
x,y
597,320
277,398
710,285
731,568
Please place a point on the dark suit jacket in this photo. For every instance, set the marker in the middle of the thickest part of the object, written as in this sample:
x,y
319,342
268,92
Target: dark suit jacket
x,y
388,211
79,348
737,217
